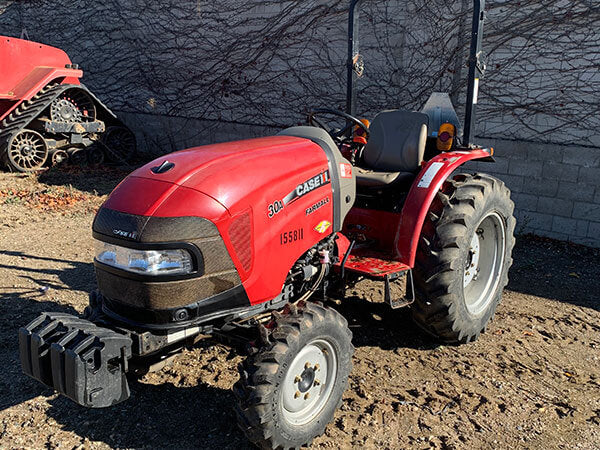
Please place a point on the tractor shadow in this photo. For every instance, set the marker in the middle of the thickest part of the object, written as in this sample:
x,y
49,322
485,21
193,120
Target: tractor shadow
x,y
77,276
17,308
556,270
375,324
20,304
157,416
95,180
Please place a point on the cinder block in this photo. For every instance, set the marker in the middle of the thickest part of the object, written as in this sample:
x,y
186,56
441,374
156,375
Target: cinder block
x,y
582,227
560,171
545,152
590,242
586,211
547,188
572,227
525,202
590,175
536,221
525,168
515,149
582,156
555,206
514,182
500,166
594,231
576,191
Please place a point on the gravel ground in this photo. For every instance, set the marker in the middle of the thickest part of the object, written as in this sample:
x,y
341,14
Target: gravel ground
x,y
532,381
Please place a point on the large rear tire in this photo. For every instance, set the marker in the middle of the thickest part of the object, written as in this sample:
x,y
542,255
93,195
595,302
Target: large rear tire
x,y
463,257
290,389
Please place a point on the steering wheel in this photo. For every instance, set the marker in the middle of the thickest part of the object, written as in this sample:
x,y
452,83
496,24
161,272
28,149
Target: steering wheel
x,y
337,135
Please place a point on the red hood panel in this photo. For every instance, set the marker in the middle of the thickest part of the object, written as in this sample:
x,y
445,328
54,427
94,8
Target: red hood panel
x,y
228,172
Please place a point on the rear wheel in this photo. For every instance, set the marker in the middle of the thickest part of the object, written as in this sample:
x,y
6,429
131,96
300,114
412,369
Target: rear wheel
x,y
27,151
463,257
118,144
290,389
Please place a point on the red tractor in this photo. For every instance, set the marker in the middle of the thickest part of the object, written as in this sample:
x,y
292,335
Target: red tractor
x,y
237,240
48,116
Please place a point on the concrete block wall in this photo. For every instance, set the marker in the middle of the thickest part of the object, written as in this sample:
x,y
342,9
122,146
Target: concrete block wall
x,y
556,189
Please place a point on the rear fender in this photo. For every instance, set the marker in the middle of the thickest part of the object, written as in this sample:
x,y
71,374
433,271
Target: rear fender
x,y
421,195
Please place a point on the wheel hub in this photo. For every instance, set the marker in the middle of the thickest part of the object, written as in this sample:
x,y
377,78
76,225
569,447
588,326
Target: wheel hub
x,y
309,382
484,263
306,380
472,265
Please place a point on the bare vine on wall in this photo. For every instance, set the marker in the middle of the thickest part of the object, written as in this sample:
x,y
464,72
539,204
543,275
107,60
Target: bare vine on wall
x,y
269,62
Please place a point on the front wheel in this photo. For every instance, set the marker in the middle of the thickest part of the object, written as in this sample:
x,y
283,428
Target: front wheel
x,y
290,389
463,257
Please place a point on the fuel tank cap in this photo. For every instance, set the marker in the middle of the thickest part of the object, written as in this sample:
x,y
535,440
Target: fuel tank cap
x,y
164,167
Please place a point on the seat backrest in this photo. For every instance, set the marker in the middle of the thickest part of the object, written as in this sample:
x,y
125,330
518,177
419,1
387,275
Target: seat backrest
x,y
396,141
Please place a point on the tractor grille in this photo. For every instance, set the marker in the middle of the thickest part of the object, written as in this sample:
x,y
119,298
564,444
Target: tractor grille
x,y
218,274
240,233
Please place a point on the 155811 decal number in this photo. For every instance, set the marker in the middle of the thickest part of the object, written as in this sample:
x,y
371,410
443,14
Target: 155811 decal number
x,y
287,237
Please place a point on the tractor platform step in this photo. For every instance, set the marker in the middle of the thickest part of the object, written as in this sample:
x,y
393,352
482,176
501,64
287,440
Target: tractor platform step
x,y
374,265
379,266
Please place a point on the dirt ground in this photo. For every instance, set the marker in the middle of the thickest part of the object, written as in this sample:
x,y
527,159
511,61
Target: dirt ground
x,y
531,381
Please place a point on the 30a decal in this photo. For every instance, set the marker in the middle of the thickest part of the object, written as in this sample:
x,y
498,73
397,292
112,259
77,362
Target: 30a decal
x,y
288,237
275,208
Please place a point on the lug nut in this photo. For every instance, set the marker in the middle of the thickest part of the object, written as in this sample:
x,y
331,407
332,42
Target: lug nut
x,y
307,365
317,382
306,396
317,367
297,379
297,394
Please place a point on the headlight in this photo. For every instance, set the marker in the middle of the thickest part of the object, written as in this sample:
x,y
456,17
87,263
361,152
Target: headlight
x,y
148,262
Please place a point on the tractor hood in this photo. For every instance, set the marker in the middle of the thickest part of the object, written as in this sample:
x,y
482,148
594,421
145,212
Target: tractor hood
x,y
226,173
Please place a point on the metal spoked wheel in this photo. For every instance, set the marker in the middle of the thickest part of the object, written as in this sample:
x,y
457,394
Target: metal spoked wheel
x,y
77,156
27,151
95,155
74,105
309,382
119,144
484,263
59,157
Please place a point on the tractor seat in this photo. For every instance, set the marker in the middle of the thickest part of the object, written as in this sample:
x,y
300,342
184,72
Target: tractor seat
x,y
394,151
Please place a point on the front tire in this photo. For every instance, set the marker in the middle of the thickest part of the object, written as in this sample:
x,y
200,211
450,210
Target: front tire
x,y
290,389
463,257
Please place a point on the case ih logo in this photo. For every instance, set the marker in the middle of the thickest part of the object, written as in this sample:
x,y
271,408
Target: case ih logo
x,y
308,186
346,170
125,234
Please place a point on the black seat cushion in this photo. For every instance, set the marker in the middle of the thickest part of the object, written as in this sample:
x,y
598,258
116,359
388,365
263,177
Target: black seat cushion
x,y
397,141
370,179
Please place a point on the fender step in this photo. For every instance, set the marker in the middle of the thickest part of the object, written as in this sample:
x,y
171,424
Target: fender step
x,y
77,358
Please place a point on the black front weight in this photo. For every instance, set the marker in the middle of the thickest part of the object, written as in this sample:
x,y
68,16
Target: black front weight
x,y
77,358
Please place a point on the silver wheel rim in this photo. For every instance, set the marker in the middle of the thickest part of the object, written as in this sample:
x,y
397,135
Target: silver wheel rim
x,y
484,263
309,382
28,150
